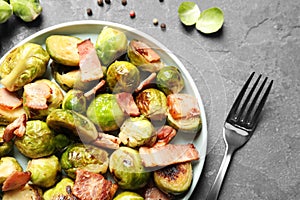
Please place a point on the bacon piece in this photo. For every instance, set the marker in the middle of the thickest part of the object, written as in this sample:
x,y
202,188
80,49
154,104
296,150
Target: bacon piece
x,y
127,104
36,95
182,106
94,90
107,141
17,127
146,51
9,100
89,64
92,186
165,135
16,180
145,82
168,154
153,193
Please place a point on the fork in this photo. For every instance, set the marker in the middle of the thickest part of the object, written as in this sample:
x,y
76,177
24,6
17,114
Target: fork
x,y
239,126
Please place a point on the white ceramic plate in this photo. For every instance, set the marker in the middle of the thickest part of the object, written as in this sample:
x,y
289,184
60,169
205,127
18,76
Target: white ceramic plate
x,y
91,29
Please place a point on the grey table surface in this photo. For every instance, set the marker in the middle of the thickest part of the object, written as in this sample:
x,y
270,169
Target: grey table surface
x,y
260,36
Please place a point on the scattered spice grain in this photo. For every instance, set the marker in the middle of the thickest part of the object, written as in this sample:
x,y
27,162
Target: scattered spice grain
x,y
107,1
89,12
161,0
163,26
124,2
100,2
132,14
155,21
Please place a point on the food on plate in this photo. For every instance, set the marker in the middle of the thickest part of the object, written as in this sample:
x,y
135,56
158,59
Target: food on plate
x,y
45,171
28,192
127,195
143,56
16,180
126,166
5,147
5,11
63,49
169,80
84,156
62,189
122,76
164,135
127,104
137,131
8,165
107,141
27,10
153,193
110,45
23,65
174,179
75,100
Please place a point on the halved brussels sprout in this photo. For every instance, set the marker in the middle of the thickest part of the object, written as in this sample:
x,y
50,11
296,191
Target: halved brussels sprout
x,y
143,56
74,100
72,123
38,140
8,116
60,189
125,164
192,125
122,76
84,156
5,11
5,147
27,10
174,179
44,171
152,103
105,111
28,192
137,131
22,65
63,49
169,80
7,166
110,45
127,195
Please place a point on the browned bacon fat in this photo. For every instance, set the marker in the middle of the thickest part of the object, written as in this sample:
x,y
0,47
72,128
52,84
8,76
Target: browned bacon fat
x,y
9,100
127,104
36,95
16,180
17,127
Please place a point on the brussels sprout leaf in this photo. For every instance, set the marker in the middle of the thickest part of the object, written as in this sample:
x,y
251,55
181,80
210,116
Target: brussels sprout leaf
x,y
188,13
210,20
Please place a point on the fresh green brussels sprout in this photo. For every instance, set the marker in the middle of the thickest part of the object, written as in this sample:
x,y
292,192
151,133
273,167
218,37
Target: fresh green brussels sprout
x,y
44,171
137,131
125,164
59,189
84,156
5,11
74,100
27,10
105,111
71,122
63,49
5,147
127,195
174,179
53,102
142,56
169,80
7,166
38,140
110,45
22,65
152,103
122,76
28,192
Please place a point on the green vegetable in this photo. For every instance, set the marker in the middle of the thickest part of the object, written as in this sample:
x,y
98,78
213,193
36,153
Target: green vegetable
x,y
5,11
210,20
28,192
74,100
59,189
27,10
126,195
7,166
5,147
188,13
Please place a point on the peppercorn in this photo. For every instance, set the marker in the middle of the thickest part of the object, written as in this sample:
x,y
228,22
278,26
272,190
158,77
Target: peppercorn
x,y
107,1
163,26
155,21
100,2
124,2
161,0
89,12
132,14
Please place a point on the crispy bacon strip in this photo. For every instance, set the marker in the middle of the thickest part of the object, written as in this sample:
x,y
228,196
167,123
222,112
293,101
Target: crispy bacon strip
x,y
9,100
146,51
17,127
37,95
165,135
168,154
94,90
127,104
107,141
145,82
16,180
153,193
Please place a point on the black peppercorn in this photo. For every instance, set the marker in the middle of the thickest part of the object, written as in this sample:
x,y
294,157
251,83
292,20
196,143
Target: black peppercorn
x,y
161,0
107,1
124,2
100,2
89,12
163,26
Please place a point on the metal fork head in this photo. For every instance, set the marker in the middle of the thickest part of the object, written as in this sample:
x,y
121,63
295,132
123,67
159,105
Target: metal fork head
x,y
244,116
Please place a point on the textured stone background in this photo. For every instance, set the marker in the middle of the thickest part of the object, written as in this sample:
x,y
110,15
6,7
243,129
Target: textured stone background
x,y
260,36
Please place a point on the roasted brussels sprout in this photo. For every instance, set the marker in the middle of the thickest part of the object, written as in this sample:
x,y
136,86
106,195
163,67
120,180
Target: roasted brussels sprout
x,y
35,94
63,49
22,65
38,140
122,76
5,147
27,10
71,122
169,80
28,192
152,103
137,131
105,111
84,156
126,166
142,56
8,116
5,11
174,179
75,100
110,45
44,171
126,195
7,166
60,189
